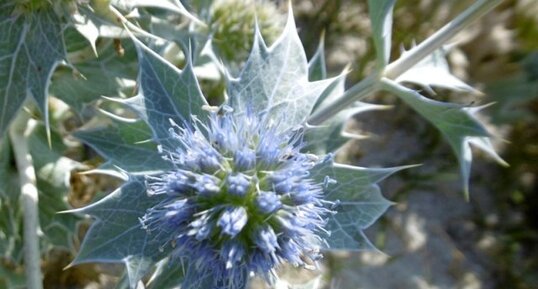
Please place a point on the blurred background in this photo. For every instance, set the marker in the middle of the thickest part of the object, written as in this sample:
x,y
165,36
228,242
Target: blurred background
x,y
433,238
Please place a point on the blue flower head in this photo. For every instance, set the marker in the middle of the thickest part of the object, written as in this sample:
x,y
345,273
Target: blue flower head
x,y
239,200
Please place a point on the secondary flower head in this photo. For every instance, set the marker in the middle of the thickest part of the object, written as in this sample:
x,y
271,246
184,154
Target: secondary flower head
x,y
239,199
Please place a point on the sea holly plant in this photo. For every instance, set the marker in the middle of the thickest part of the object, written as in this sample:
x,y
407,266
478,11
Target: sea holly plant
x,y
213,195
238,189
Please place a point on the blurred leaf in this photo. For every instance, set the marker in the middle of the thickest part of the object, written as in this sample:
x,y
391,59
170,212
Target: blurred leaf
x,y
110,74
514,96
317,69
458,124
30,49
97,21
11,280
381,18
170,5
312,284
10,212
434,71
53,171
168,275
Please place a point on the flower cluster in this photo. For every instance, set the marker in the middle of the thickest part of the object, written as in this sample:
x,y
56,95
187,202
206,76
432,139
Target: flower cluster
x,y
239,200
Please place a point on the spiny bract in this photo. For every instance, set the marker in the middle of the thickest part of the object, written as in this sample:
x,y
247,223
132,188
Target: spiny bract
x,y
239,200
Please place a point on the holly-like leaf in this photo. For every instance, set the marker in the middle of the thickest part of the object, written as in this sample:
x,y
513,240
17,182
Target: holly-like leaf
x,y
165,93
458,125
126,145
381,18
109,74
117,234
359,202
434,71
31,47
274,81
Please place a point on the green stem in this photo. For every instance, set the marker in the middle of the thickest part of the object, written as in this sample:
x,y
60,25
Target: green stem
x,y
439,38
393,70
19,131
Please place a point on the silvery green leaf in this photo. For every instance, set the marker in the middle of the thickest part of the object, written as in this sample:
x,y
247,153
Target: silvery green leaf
x,y
86,27
126,145
95,22
317,69
359,202
381,18
274,80
167,275
117,234
434,71
52,172
31,48
109,74
458,125
165,93
171,5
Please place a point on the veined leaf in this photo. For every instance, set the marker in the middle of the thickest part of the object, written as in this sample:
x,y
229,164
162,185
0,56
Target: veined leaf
x,y
458,125
359,202
165,93
31,46
274,81
117,234
126,145
381,18
434,71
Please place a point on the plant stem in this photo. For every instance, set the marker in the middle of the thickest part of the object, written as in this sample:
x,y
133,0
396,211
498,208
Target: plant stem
x,y
439,38
393,70
19,132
